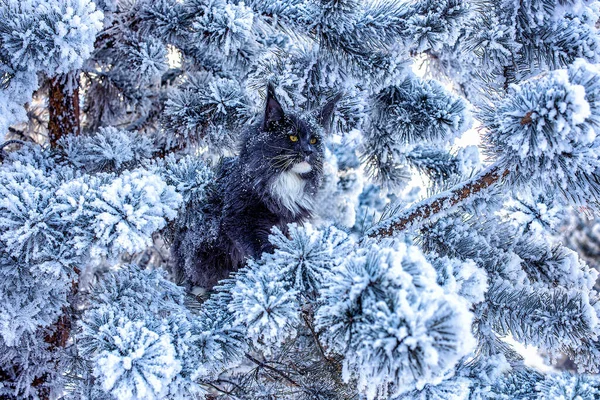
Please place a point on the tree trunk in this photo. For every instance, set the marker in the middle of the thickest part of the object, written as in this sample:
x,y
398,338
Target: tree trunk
x,y
63,106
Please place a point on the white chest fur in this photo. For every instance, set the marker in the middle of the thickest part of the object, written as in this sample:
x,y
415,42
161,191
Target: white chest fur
x,y
288,188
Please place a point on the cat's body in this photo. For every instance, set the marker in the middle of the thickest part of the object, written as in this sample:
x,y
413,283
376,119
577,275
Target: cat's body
x,y
271,183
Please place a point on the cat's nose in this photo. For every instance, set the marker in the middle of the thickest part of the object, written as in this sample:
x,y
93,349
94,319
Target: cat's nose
x,y
308,150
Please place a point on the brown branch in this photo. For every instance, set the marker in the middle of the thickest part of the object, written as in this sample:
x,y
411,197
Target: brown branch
x,y
63,108
426,209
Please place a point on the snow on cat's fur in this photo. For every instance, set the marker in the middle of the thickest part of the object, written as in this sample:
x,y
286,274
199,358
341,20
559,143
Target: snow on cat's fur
x,y
272,182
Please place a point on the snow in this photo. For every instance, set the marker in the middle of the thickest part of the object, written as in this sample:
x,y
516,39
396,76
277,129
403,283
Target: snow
x,y
141,364
400,319
423,316
60,42
267,307
544,133
12,98
133,206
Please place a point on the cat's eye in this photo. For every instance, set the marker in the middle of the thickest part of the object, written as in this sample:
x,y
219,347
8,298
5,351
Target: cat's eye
x,y
293,138
313,140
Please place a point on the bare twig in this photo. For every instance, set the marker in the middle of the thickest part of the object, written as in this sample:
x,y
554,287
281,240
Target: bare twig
x,y
9,142
425,209
218,388
3,154
316,339
270,368
232,383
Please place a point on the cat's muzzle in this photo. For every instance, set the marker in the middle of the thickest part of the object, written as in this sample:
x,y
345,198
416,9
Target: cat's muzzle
x,y
302,167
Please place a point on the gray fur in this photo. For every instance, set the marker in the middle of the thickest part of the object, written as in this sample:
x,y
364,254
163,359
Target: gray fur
x,y
268,184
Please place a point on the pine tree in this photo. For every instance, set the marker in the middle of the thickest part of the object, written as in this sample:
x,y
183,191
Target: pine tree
x,y
423,258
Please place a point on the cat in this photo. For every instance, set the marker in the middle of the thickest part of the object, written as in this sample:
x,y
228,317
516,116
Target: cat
x,y
272,182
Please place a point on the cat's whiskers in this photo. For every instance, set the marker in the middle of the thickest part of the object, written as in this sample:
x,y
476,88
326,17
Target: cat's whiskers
x,y
290,162
280,161
283,154
294,160
283,161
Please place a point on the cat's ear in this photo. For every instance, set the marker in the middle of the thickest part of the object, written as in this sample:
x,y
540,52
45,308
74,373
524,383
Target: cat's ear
x,y
273,110
325,114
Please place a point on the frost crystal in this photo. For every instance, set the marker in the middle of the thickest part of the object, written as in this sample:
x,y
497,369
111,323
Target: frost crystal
x,y
101,231
544,131
49,36
137,363
384,304
109,150
133,206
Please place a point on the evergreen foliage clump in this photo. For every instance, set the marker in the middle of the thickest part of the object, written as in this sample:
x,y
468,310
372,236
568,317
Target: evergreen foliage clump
x,y
424,262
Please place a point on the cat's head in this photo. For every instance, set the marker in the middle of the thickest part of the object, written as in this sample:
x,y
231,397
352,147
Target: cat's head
x,y
289,141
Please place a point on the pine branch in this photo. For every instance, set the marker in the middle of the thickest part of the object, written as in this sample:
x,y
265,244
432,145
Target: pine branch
x,y
426,209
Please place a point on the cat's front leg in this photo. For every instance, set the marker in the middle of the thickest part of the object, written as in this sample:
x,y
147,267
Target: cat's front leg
x,y
250,235
260,241
267,247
